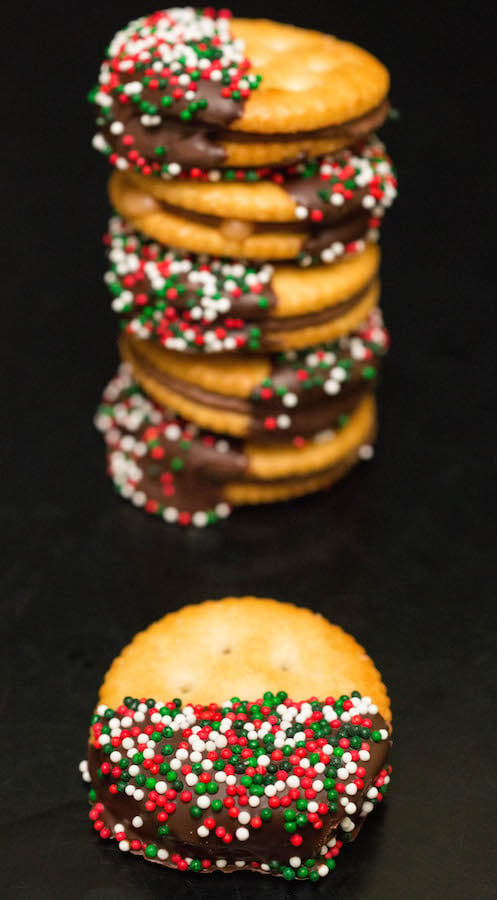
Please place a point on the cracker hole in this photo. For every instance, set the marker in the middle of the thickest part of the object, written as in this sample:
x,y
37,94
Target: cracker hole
x,y
285,667
185,688
226,650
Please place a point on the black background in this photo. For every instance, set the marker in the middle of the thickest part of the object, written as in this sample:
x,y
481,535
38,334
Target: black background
x,y
399,554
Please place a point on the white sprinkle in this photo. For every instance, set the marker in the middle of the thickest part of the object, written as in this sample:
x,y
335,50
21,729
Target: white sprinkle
x,y
133,87
222,511
99,142
367,807
368,201
331,387
366,452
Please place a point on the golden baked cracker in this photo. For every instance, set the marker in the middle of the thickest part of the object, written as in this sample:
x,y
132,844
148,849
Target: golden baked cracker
x,y
207,417
228,374
309,80
329,331
270,153
251,493
242,647
145,213
268,462
262,201
302,291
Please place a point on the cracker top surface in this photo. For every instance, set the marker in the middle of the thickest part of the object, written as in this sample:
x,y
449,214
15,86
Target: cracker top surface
x,y
209,650
309,80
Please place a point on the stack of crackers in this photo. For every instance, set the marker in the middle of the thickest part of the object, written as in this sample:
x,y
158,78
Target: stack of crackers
x,y
248,187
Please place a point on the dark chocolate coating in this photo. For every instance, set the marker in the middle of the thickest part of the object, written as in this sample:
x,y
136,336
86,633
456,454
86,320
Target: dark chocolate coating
x,y
199,143
269,831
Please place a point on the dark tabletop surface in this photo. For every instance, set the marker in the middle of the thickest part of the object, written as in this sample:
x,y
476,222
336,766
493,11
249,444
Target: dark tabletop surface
x,y
400,554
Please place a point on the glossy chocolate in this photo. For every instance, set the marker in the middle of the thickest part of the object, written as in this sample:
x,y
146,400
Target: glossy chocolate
x,y
274,785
